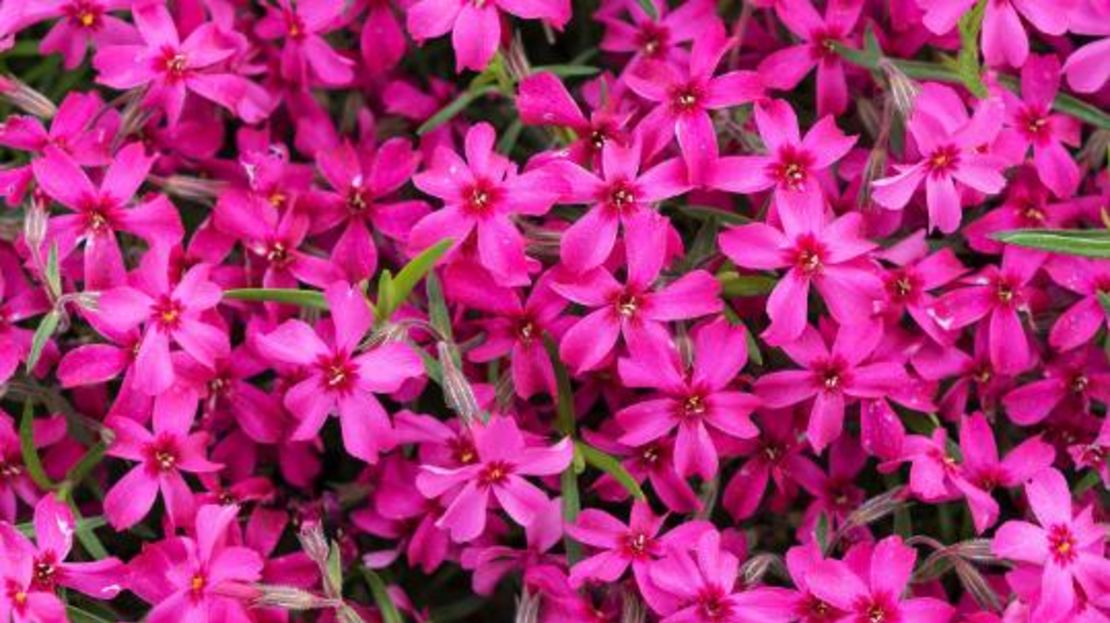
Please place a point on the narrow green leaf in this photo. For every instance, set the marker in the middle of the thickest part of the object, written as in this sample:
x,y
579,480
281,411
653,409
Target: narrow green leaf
x,y
304,298
437,307
385,296
411,274
388,609
648,7
1086,243
77,615
734,284
449,111
1104,300
510,136
1088,481
567,71
81,469
53,276
821,532
568,485
27,447
967,63
87,536
600,460
46,328
565,421
334,578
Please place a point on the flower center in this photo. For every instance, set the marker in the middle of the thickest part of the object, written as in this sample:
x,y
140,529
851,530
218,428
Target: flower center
x,y
652,40
621,196
480,198
1005,293
526,331
636,544
597,139
808,254
84,14
713,604
167,313
983,374
626,305
1061,544
494,473
686,98
45,572
650,455
9,470
902,287
943,159
338,373
175,64
162,454
356,200
463,450
694,407
1079,383
278,254
197,583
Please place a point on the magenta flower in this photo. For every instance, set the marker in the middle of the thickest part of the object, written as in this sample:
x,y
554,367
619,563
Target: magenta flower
x,y
653,462
306,58
361,181
706,587
170,69
657,39
619,195
690,401
830,256
877,596
772,457
503,458
1034,124
785,68
476,27
808,608
949,143
908,286
162,456
99,213
22,599
831,378
169,313
834,494
1075,378
19,300
1087,278
637,544
633,310
997,294
792,164
684,99
199,579
1065,548
481,194
1004,40
339,378
79,23
981,466
1088,68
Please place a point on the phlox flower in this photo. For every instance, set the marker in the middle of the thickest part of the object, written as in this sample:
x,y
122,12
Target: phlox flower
x,y
1004,40
502,458
19,300
79,23
490,563
784,69
162,456
305,54
22,599
832,256
1087,278
170,68
480,194
684,98
909,286
652,462
1074,378
200,578
690,402
982,467
339,378
543,99
660,38
1065,548
770,457
834,494
974,376
476,27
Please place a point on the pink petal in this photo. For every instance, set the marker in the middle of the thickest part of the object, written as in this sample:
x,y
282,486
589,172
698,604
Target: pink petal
x,y
588,242
501,249
893,193
365,426
542,99
755,245
129,500
520,499
787,307
692,295
476,36
153,367
698,142
785,68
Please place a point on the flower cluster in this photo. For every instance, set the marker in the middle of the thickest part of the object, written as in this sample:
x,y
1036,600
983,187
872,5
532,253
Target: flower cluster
x,y
754,311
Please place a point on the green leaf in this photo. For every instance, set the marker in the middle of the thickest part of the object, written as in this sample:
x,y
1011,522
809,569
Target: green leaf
x,y
449,111
606,463
81,469
46,328
821,532
334,578
388,609
27,447
734,284
568,485
396,289
53,277
292,296
77,615
648,7
967,63
437,307
87,537
565,421
1086,243
567,71
1104,300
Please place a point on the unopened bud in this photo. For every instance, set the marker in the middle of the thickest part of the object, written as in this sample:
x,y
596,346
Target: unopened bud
x,y
456,389
756,568
632,609
314,543
903,90
291,598
34,225
527,607
24,97
189,187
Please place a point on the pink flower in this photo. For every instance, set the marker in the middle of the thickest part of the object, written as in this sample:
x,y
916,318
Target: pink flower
x,y
637,544
834,495
1075,378
477,26
1064,548
949,142
684,98
792,164
653,462
481,194
830,256
19,300
339,378
1004,40
542,99
785,68
101,212
79,23
690,401
305,54
202,578
619,195
771,457
908,286
633,310
169,313
362,180
981,466
22,599
503,458
1034,124
162,457
382,39
706,587
657,39
997,294
170,68
1087,278
831,378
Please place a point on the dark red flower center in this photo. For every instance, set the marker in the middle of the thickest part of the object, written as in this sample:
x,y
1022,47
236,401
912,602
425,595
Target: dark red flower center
x,y
1034,124
713,604
652,39
162,454
357,200
495,472
636,545
338,372
45,573
84,14
621,196
809,254
626,305
166,313
174,64
687,98
943,160
278,254
1062,544
693,407
9,469
480,198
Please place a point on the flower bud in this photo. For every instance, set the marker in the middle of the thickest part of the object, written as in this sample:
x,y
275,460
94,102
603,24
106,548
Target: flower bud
x,y
26,98
456,389
903,90
314,543
291,598
527,607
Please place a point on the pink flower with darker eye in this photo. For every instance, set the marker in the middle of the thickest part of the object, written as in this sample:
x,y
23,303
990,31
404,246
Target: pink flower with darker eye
x,y
878,596
99,213
79,23
21,598
792,164
481,194
476,26
1088,278
168,313
162,456
657,38
832,378
1004,40
1062,547
502,459
908,285
949,143
542,99
170,69
200,578
684,98
785,68
830,256
982,467
693,402
1074,378
620,194
305,54
339,377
